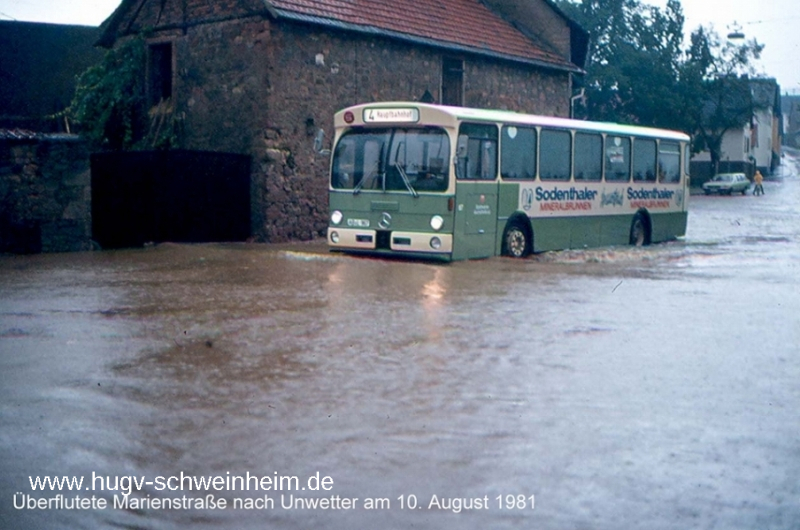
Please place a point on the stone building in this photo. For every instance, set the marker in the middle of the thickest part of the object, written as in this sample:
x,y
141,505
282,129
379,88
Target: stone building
x,y
45,194
260,77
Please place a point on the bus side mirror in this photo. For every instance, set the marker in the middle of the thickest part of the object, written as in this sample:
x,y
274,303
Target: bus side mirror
x,y
318,143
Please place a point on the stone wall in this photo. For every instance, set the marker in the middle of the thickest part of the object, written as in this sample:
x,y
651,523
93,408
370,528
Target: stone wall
x,y
260,87
45,195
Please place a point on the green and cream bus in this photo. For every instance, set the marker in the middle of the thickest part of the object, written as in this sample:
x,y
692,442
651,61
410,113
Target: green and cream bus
x,y
456,183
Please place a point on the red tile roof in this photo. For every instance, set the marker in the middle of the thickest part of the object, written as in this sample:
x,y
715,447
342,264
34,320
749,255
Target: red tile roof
x,y
465,24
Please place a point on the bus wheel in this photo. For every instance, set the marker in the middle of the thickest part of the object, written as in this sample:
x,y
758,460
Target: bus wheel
x,y
515,241
638,231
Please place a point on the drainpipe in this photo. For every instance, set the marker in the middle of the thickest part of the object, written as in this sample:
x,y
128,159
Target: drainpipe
x,y
580,96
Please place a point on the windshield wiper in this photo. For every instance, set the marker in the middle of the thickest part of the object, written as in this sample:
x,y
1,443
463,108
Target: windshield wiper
x,y
401,169
406,180
360,184
378,173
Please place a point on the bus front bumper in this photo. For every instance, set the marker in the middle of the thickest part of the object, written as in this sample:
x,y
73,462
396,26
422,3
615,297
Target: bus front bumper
x,y
383,240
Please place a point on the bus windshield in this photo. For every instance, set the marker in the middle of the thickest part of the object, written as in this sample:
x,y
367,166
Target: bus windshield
x,y
392,159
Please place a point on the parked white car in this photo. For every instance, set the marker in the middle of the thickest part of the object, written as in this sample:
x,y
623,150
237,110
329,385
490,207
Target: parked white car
x,y
727,183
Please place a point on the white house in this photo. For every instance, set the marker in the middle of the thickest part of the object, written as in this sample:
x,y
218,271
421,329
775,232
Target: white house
x,y
753,145
736,153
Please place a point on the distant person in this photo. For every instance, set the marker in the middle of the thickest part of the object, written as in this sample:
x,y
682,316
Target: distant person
x,y
758,179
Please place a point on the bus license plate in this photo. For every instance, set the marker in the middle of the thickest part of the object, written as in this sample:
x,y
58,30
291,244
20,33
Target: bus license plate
x,y
360,223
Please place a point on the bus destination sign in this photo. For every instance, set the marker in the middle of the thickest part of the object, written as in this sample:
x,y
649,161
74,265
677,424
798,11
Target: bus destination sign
x,y
399,115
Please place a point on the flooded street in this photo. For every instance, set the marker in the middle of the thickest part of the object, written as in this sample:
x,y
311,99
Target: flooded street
x,y
613,388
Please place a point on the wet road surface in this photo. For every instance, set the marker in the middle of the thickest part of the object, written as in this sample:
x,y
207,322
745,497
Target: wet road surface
x,y
650,388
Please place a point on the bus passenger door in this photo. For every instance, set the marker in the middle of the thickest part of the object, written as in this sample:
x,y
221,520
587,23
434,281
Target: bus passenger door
x,y
477,189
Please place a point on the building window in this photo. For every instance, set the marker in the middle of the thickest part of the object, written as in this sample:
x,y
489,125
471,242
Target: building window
x,y
159,72
452,82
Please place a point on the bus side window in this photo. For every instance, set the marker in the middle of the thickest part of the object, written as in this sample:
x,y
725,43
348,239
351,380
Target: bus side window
x,y
554,154
669,162
588,157
488,160
518,153
644,160
618,159
480,162
687,160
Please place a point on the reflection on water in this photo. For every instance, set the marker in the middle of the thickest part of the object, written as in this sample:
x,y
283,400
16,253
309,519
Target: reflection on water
x,y
433,298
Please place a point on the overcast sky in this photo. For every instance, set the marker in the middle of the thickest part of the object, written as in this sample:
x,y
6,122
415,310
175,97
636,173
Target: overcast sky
x,y
775,23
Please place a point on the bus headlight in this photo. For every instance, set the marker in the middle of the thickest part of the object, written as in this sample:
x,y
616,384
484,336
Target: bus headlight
x,y
334,237
436,243
437,222
336,217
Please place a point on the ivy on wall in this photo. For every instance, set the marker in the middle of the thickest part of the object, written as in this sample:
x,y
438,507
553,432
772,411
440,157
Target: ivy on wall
x,y
109,97
110,103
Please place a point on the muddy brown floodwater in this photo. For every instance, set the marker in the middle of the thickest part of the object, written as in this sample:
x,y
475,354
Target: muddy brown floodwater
x,y
610,388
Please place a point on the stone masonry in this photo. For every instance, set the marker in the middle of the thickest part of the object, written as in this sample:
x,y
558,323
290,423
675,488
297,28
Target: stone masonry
x,y
45,195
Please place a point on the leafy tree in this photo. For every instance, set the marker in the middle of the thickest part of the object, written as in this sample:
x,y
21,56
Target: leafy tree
x,y
718,74
639,71
632,76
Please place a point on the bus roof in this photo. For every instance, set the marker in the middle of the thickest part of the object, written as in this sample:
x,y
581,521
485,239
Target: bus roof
x,y
446,115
